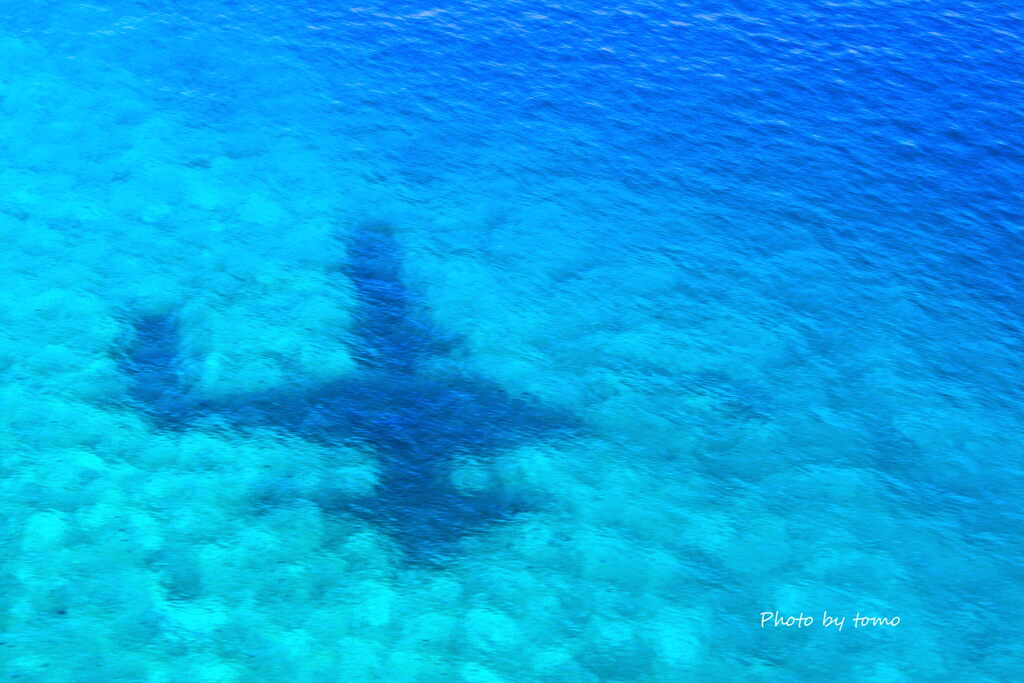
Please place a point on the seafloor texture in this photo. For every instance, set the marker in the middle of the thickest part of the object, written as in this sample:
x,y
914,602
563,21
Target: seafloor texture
x,y
510,342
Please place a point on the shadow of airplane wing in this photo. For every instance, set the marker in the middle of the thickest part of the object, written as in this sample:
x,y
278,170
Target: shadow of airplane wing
x,y
391,331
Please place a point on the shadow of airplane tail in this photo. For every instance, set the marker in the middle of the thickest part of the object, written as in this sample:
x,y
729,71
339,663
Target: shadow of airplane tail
x,y
152,361
418,422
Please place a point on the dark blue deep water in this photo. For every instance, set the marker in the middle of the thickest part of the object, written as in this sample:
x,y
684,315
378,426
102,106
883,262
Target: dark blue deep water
x,y
511,341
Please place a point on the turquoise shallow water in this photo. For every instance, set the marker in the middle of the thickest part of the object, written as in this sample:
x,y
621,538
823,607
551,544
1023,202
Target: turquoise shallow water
x,y
761,263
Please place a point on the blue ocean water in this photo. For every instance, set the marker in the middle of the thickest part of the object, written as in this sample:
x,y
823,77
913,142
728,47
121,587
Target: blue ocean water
x,y
511,342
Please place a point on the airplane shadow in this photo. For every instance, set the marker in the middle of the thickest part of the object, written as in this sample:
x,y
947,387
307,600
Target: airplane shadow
x,y
417,417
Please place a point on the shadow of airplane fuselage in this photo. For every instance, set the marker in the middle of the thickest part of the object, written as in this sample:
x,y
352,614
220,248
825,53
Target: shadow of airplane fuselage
x,y
417,420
